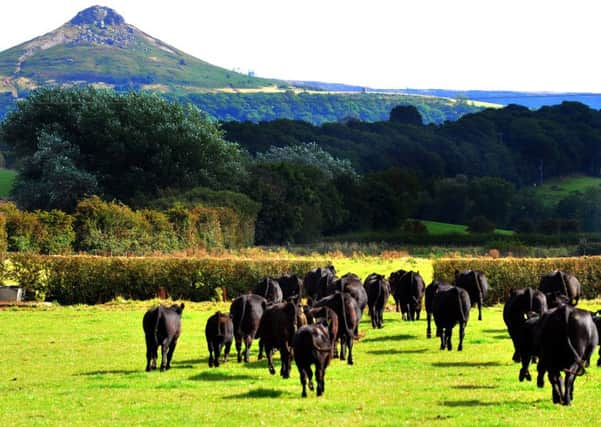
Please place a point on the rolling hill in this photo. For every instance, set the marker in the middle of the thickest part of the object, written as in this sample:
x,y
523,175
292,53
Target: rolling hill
x,y
98,47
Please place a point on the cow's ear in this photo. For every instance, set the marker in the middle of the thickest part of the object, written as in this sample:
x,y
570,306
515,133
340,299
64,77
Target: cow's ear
x,y
181,306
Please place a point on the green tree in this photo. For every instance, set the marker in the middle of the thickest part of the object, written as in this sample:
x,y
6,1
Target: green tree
x,y
133,144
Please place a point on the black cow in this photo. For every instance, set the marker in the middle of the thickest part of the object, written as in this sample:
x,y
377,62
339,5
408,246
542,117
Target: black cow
x,y
327,317
292,288
316,282
597,320
269,289
311,346
450,307
520,303
476,285
559,287
351,284
430,292
162,327
378,291
407,288
568,337
219,332
347,310
276,330
246,312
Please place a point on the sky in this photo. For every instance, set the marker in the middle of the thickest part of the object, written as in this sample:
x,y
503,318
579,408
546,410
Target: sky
x,y
525,45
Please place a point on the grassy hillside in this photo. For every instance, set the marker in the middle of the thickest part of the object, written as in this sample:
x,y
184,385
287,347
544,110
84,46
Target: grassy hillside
x,y
553,190
435,227
7,177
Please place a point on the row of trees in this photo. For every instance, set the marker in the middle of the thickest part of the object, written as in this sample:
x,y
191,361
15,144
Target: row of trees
x,y
296,180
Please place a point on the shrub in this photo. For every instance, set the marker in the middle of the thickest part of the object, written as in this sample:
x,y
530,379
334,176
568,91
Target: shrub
x,y
93,279
480,224
506,273
414,226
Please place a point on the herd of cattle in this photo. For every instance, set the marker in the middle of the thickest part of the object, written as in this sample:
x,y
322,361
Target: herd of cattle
x,y
543,323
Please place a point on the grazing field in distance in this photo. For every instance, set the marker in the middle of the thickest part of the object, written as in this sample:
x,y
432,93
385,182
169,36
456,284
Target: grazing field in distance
x,y
83,365
7,177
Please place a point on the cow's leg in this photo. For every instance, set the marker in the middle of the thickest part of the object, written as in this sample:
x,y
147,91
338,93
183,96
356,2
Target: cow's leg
x,y
269,354
151,349
372,316
239,347
210,344
524,372
556,385
449,335
261,348
247,343
319,374
428,327
286,357
218,346
418,312
569,384
164,353
397,305
349,341
343,347
479,310
226,352
380,318
303,380
441,333
172,346
461,336
540,377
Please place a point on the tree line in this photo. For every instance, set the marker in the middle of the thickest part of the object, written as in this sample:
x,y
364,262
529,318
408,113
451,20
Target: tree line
x,y
301,181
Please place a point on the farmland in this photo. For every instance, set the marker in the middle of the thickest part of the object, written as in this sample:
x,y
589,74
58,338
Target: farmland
x,y
84,365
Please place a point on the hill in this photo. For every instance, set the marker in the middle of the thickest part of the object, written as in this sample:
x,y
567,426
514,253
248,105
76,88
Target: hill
x,y
553,190
97,47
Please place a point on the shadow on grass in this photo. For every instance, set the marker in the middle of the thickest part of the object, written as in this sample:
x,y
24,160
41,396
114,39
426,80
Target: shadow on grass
x,y
464,364
389,338
501,337
111,372
477,402
257,393
216,375
204,361
398,351
495,331
473,386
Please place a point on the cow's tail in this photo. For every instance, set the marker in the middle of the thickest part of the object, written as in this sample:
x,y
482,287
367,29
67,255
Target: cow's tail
x,y
379,293
220,326
460,301
239,328
530,296
156,325
349,332
565,286
581,363
478,286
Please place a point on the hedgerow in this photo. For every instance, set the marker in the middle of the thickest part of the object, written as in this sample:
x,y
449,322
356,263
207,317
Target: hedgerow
x,y
94,279
506,273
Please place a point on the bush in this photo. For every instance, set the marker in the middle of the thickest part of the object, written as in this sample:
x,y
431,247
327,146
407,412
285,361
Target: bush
x,y
506,273
414,226
91,280
480,224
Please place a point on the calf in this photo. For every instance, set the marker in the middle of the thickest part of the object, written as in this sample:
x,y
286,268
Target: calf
x,y
219,332
311,346
476,285
408,290
430,293
246,312
450,307
520,304
568,337
351,284
597,320
276,331
378,291
327,317
269,289
162,327
348,313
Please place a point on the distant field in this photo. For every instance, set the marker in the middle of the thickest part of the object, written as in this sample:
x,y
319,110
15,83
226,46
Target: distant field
x,y
435,227
7,177
554,190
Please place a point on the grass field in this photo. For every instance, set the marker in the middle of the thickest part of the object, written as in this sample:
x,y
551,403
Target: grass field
x,y
553,190
435,227
85,366
7,177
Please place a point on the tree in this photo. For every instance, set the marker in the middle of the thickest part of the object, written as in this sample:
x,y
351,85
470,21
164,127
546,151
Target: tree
x,y
406,114
50,179
133,144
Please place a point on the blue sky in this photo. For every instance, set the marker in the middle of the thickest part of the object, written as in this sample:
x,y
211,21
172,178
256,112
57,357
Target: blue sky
x,y
526,45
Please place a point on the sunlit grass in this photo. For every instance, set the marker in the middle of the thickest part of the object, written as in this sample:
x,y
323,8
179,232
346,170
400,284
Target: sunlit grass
x,y
85,366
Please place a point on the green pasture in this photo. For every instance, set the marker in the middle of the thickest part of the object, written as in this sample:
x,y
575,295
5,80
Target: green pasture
x,y
364,266
435,227
553,190
84,365
7,177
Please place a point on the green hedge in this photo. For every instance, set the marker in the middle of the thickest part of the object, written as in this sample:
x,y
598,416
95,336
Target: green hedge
x,y
91,280
506,273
